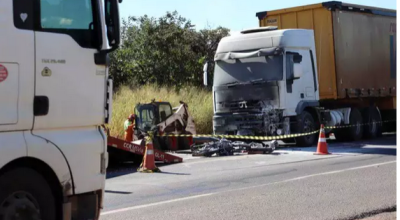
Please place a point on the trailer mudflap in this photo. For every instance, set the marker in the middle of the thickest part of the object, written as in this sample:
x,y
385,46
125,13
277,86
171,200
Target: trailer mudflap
x,y
139,150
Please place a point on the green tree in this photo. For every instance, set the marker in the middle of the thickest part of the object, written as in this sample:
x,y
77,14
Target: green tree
x,y
207,44
164,51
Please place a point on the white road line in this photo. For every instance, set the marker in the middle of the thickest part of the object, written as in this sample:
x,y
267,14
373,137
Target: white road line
x,y
340,171
154,204
244,188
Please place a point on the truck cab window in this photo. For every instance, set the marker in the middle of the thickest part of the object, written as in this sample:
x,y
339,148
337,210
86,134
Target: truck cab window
x,y
72,17
66,14
291,59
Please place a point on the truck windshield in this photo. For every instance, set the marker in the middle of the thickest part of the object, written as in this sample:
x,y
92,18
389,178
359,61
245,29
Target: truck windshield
x,y
267,68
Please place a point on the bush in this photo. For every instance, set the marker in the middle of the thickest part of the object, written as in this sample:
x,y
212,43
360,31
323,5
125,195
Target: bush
x,y
166,51
199,101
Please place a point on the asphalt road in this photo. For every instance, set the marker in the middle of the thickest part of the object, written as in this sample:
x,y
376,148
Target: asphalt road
x,y
354,181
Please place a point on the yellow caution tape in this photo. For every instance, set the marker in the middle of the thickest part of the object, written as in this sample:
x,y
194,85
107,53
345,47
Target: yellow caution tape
x,y
268,138
260,138
361,124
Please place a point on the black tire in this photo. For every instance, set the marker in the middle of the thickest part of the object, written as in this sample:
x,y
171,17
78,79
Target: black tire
x,y
379,124
389,116
306,123
371,118
356,132
353,133
341,134
29,193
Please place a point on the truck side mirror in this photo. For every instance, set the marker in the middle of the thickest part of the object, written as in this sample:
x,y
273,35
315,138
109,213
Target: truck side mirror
x,y
297,71
205,75
112,22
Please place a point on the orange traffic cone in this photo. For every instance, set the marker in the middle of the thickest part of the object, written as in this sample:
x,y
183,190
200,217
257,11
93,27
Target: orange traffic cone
x,y
322,148
148,165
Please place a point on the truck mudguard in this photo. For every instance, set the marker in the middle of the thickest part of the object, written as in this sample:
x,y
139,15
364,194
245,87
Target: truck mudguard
x,y
304,104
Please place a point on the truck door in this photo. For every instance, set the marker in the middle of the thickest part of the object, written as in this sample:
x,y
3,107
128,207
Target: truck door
x,y
16,66
70,87
304,88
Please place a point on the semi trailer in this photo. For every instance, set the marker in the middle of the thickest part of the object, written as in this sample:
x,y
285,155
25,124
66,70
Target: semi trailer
x,y
330,63
55,94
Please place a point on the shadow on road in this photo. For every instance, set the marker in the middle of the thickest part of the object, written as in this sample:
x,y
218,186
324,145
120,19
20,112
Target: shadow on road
x,y
277,153
117,192
121,169
385,145
116,172
178,174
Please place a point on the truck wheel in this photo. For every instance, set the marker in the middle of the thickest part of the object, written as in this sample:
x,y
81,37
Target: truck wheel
x,y
353,133
356,120
373,128
25,194
306,123
341,134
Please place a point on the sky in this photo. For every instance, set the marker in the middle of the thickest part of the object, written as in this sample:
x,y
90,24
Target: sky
x,y
233,14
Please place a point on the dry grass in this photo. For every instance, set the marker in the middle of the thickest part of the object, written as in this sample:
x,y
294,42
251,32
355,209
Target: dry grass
x,y
198,100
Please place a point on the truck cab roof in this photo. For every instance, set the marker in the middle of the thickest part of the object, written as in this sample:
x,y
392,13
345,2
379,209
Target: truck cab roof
x,y
255,39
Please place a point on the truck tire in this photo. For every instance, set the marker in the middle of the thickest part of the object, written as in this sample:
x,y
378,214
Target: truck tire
x,y
373,128
389,116
353,133
25,193
341,134
306,123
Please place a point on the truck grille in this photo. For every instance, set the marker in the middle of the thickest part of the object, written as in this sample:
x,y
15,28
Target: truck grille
x,y
248,121
241,106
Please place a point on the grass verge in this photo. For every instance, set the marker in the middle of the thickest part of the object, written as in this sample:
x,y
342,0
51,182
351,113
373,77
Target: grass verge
x,y
199,101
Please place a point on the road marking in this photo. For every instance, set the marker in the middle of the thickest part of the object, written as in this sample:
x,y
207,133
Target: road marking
x,y
340,171
313,175
155,204
244,188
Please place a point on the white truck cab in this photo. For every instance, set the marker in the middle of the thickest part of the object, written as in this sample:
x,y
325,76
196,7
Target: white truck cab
x,y
262,78
55,93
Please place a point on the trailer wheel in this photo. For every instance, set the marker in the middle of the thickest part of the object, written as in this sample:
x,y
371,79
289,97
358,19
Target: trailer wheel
x,y
353,133
25,194
373,128
356,120
341,135
306,123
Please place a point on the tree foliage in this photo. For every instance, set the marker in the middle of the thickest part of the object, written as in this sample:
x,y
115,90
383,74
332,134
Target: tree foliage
x,y
164,51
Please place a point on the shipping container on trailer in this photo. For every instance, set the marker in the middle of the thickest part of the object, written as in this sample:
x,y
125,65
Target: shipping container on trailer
x,y
355,48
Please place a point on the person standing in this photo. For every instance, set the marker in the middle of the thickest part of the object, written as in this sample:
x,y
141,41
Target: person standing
x,y
128,128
